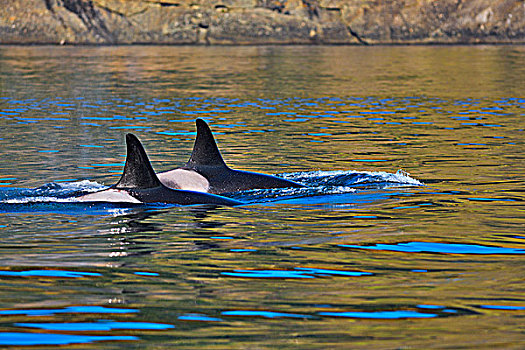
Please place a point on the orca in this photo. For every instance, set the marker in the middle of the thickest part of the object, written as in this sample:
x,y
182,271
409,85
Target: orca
x,y
206,171
140,184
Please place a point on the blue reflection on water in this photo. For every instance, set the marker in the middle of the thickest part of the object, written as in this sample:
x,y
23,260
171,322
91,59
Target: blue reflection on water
x,y
92,146
429,306
267,314
430,247
26,339
298,272
267,274
502,307
70,309
379,314
325,272
144,273
199,317
101,325
480,199
49,273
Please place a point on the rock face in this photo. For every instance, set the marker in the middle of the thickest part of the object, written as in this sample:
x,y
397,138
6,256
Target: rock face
x,y
261,21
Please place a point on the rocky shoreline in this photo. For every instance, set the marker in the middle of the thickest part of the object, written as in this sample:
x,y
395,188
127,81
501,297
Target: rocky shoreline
x,y
257,22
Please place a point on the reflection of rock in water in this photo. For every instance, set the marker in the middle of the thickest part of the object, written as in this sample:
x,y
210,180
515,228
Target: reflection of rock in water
x,y
261,21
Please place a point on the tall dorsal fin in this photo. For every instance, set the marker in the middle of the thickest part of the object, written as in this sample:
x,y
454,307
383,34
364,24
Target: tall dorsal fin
x,y
205,151
138,172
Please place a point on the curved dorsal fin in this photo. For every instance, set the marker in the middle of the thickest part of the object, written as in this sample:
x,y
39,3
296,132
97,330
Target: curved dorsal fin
x,y
205,151
138,172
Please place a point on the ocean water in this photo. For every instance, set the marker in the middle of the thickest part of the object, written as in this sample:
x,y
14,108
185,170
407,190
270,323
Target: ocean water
x,y
408,234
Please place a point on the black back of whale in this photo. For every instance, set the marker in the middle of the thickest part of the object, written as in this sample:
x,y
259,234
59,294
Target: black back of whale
x,y
206,159
140,181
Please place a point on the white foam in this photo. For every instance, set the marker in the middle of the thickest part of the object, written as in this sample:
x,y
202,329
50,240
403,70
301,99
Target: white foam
x,y
342,189
84,185
41,199
400,177
49,192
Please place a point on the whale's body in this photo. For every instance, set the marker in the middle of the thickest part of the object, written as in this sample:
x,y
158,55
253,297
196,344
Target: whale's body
x,y
206,170
140,184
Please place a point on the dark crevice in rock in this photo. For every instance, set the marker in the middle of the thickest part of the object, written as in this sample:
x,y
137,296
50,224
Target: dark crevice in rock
x,y
274,5
168,4
357,36
312,7
88,14
202,35
116,13
49,5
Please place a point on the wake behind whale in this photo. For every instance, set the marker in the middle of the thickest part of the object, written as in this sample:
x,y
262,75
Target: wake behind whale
x,y
330,185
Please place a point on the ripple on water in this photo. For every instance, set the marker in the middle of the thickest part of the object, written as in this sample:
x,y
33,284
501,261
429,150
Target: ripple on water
x,y
385,315
87,309
28,339
49,273
445,248
298,272
265,314
199,317
503,307
419,311
443,141
100,325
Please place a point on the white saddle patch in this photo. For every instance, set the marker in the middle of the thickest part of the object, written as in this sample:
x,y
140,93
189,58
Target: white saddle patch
x,y
183,179
111,195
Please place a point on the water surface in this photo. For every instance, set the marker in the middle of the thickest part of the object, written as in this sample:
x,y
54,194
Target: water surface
x,y
408,234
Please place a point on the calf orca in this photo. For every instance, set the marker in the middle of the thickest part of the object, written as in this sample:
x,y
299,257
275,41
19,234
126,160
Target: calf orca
x,y
206,171
140,184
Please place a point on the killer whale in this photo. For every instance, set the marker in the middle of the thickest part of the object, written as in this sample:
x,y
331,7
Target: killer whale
x,y
206,170
140,184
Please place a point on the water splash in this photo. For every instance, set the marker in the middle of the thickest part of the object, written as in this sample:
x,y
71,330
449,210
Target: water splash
x,y
340,178
318,183
51,192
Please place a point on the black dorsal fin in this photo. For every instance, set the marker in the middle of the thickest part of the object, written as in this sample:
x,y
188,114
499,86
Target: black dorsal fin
x,y
205,151
138,172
